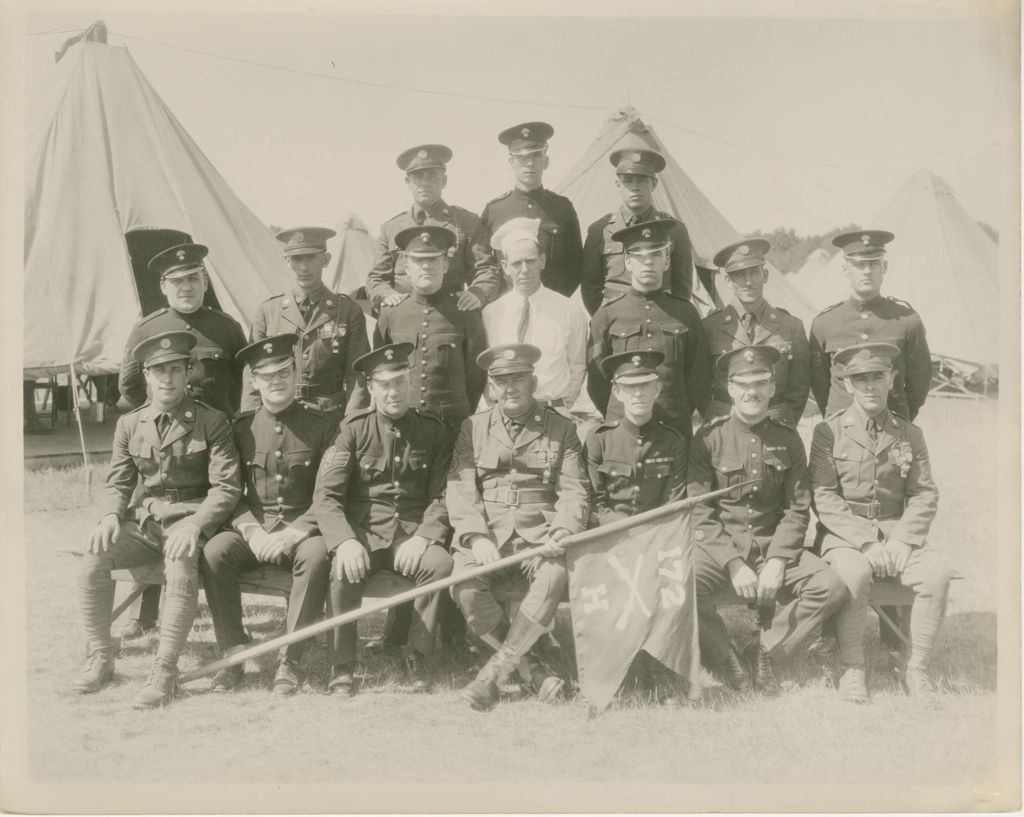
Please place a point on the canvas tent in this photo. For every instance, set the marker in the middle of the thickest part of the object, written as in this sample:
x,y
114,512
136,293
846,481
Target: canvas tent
x,y
591,187
354,251
942,262
110,160
809,281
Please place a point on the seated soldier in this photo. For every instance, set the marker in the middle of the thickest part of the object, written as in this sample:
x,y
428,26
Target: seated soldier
x,y
516,481
379,502
280,445
753,537
875,501
635,464
184,454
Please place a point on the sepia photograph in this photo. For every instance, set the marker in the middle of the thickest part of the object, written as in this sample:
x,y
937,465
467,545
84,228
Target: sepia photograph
x,y
512,407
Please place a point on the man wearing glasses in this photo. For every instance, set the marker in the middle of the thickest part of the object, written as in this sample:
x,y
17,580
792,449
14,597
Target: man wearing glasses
x,y
559,225
749,320
280,445
646,318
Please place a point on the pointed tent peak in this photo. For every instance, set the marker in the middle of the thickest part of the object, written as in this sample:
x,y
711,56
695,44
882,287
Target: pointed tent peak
x,y
350,221
96,33
355,254
929,180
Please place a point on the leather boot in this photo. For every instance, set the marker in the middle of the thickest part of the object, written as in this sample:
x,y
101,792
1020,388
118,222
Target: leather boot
x,y
852,685
418,670
286,679
542,678
228,679
482,691
762,669
916,681
97,672
734,673
159,689
343,681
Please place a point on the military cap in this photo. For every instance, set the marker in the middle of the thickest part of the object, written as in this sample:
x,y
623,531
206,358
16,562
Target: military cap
x,y
269,354
633,367
865,357
179,260
424,156
863,244
646,235
385,361
748,364
745,254
305,240
516,229
637,162
509,358
528,137
164,347
426,240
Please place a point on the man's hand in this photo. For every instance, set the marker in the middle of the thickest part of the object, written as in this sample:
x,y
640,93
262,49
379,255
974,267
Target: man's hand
x,y
900,552
394,299
468,301
553,550
529,567
744,580
351,561
104,534
409,553
278,544
770,580
257,542
484,550
879,558
182,539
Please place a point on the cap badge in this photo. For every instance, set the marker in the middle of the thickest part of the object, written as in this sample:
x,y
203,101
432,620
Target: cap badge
x,y
864,354
743,249
748,356
865,239
181,255
636,157
425,237
165,343
268,347
647,233
389,354
421,154
509,354
526,133
636,360
298,237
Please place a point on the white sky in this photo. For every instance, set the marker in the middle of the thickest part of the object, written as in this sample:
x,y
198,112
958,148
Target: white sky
x,y
859,103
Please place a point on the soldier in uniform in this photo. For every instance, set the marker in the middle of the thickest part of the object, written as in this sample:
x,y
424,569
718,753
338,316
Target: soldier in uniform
x,y
331,328
426,175
867,315
559,225
646,318
182,452
446,341
517,480
753,537
875,501
749,320
280,445
215,376
604,263
379,502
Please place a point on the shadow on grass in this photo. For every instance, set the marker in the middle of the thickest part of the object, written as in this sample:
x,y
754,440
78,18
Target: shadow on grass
x,y
965,653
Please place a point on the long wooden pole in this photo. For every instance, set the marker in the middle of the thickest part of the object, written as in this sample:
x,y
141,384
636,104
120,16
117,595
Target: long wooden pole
x,y
441,584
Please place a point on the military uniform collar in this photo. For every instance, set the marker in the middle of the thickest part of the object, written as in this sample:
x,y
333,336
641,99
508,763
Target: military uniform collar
x,y
739,423
291,408
530,194
634,429
760,312
862,306
628,217
186,316
392,423
644,296
860,417
428,300
314,297
437,210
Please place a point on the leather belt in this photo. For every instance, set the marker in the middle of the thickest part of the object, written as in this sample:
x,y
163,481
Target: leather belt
x,y
877,510
514,497
179,494
306,390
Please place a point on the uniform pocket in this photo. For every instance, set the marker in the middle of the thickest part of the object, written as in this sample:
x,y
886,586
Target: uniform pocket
x,y
675,340
626,337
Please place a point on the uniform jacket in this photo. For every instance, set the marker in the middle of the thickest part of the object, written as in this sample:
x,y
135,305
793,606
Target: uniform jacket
x,y
280,455
768,518
501,489
197,456
328,346
383,481
604,260
388,275
446,381
883,320
888,481
652,320
774,327
216,377
634,468
559,234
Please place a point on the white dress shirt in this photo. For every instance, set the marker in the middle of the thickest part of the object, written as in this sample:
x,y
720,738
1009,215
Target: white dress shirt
x,y
557,327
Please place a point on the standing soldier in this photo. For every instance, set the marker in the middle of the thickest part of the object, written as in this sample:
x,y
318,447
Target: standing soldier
x,y
215,375
280,445
446,341
331,328
604,264
875,501
516,481
749,320
867,315
753,537
182,453
380,505
426,175
559,225
646,318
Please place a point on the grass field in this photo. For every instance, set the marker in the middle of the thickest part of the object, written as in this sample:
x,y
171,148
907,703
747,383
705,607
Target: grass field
x,y
386,734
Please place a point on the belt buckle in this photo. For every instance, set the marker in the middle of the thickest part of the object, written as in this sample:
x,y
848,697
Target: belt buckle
x,y
874,510
509,501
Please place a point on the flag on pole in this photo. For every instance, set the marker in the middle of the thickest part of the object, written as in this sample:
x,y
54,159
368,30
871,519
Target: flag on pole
x,y
633,590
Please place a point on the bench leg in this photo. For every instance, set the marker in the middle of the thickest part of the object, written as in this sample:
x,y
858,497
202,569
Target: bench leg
x,y
137,591
894,626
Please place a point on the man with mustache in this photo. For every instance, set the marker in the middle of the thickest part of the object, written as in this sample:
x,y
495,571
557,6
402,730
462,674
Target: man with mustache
x,y
426,175
753,537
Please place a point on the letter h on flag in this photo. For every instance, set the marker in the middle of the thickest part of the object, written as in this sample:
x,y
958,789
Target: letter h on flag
x,y
634,590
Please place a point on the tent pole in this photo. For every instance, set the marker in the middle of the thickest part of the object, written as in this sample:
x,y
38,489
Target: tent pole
x,y
81,431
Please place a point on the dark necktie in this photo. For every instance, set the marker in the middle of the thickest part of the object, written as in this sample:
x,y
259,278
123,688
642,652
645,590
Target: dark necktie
x,y
873,429
305,306
749,321
163,422
524,321
514,427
